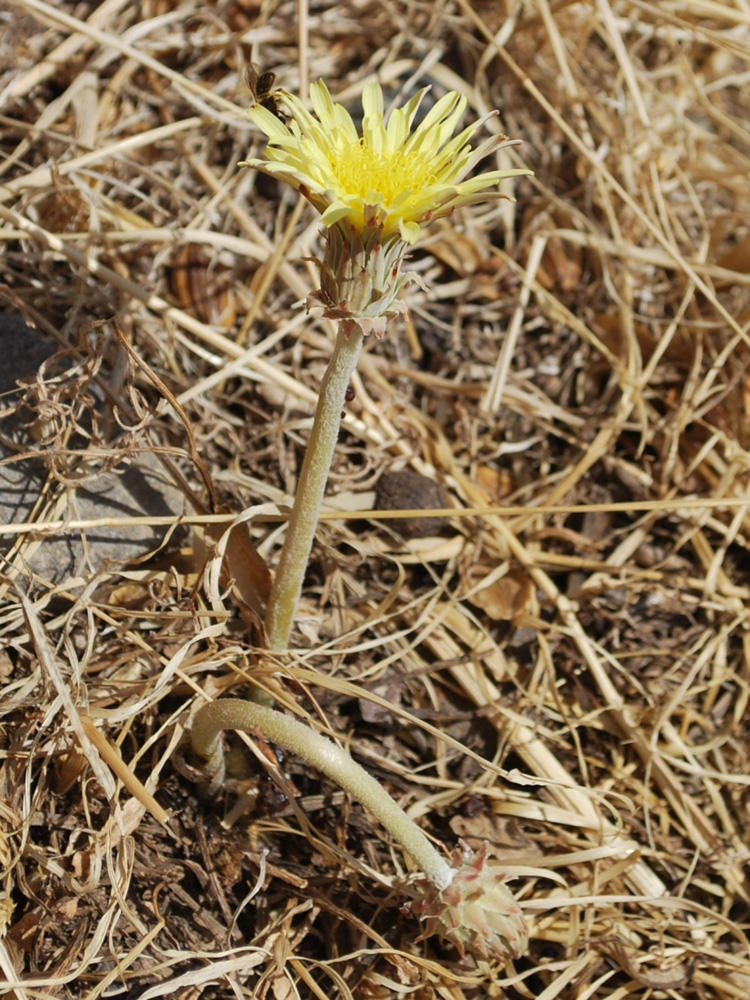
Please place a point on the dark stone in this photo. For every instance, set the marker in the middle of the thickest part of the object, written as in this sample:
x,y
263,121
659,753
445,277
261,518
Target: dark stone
x,y
409,490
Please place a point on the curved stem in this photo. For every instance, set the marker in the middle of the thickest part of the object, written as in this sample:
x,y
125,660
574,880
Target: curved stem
x,y
326,756
300,532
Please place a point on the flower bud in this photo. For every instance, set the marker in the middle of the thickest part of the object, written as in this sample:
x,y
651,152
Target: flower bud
x,y
360,277
476,912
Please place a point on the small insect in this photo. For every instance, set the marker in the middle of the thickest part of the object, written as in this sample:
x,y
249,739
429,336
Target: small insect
x,y
261,87
348,397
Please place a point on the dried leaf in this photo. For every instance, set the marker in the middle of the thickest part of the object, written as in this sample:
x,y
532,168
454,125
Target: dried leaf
x,y
486,827
495,483
461,254
737,258
201,291
246,569
679,352
655,979
505,599
561,263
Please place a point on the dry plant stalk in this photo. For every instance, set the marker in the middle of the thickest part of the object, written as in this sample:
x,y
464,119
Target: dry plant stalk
x,y
613,429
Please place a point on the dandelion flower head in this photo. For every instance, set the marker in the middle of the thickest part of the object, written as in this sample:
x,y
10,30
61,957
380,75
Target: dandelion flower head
x,y
390,177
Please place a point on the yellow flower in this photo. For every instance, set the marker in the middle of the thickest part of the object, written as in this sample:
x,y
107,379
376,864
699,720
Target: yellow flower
x,y
389,178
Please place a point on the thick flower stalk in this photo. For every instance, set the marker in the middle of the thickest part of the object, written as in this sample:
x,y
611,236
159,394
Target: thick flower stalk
x,y
374,191
467,904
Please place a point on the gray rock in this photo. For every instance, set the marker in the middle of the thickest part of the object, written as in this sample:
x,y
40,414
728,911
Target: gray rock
x,y
135,488
22,351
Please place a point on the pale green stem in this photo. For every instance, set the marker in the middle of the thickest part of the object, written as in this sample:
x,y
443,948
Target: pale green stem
x,y
300,532
323,754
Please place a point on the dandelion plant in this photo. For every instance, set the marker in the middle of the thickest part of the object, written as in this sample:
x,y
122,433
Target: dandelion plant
x,y
374,192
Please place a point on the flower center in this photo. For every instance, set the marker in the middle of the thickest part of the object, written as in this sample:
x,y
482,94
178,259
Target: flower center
x,y
361,172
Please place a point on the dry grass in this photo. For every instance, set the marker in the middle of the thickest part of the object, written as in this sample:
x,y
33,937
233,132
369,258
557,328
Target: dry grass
x,y
564,671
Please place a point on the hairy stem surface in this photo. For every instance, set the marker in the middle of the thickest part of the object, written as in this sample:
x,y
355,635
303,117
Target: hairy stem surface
x,y
323,754
300,532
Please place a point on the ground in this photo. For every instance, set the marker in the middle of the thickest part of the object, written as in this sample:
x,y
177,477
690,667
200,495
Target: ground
x,y
558,665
